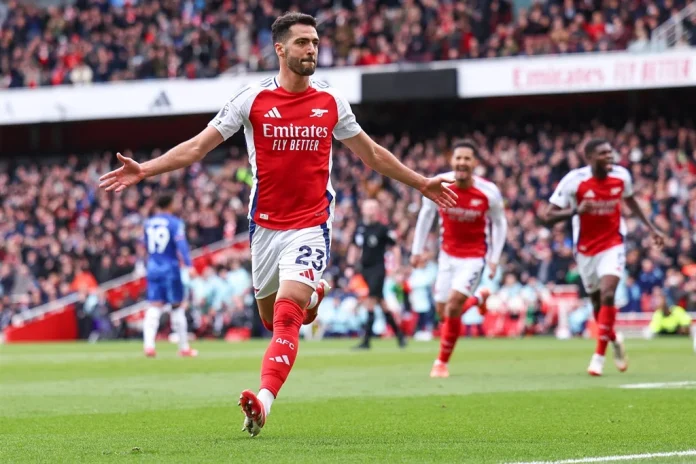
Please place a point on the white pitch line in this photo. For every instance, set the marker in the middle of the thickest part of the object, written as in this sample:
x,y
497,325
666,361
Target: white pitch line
x,y
687,383
626,457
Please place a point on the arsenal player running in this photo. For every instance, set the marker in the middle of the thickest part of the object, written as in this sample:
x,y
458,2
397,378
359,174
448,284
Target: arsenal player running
x,y
288,123
592,196
472,231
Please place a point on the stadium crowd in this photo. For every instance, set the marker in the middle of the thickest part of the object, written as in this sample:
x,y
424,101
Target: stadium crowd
x,y
60,234
113,40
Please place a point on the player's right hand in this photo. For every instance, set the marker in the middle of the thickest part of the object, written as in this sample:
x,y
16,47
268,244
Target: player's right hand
x,y
658,238
435,190
493,268
117,180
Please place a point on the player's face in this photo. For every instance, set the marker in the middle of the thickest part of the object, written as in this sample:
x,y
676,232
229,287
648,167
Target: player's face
x,y
300,50
463,163
603,157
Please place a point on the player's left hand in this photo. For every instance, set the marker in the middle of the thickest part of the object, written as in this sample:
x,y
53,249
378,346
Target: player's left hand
x,y
129,174
658,238
493,267
440,194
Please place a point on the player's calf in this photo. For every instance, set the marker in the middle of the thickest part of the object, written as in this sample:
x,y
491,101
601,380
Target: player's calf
x,y
266,310
180,328
267,325
620,356
150,328
451,328
607,313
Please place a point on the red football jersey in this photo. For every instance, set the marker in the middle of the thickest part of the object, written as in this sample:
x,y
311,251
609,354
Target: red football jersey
x,y
289,138
602,227
465,228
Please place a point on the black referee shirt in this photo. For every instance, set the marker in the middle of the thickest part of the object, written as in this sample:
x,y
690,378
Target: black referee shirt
x,y
373,239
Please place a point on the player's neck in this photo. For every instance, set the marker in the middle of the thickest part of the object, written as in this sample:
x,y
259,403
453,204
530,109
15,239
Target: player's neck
x,y
292,82
465,184
599,174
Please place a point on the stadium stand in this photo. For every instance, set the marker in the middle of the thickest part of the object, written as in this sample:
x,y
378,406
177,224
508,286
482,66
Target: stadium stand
x,y
62,235
94,41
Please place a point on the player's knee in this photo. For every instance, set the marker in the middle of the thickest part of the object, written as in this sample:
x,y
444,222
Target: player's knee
x,y
454,305
152,315
607,297
370,304
178,316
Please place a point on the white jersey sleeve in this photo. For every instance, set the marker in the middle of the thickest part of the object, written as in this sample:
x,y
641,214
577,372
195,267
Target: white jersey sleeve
x,y
426,216
231,117
496,213
561,196
346,126
623,174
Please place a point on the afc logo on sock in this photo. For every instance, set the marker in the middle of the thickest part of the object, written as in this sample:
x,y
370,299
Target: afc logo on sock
x,y
285,342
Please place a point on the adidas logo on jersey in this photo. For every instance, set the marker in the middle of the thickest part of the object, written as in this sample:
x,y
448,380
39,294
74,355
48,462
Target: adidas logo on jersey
x,y
309,274
273,113
589,194
476,202
616,190
280,359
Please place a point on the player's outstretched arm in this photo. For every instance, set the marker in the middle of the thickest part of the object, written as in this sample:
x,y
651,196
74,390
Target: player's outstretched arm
x,y
185,154
658,235
555,214
382,161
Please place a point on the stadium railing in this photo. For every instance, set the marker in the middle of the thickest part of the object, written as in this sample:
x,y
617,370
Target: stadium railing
x,y
56,320
667,34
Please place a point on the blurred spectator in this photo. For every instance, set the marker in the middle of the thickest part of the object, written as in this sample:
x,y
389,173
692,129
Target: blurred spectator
x,y
99,41
57,226
220,298
650,277
632,296
420,284
669,320
337,316
579,316
61,234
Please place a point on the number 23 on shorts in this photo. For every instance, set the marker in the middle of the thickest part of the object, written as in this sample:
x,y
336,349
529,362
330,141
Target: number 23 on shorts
x,y
306,254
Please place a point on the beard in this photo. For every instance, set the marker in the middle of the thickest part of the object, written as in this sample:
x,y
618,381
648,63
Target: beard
x,y
303,67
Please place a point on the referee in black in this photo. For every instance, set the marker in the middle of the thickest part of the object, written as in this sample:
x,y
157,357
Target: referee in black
x,y
371,241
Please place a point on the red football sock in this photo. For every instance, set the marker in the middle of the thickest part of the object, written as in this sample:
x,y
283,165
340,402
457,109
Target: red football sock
x,y
449,336
605,323
281,353
470,302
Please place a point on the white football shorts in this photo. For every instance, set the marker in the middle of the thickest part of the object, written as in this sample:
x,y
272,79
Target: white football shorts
x,y
278,255
592,268
460,274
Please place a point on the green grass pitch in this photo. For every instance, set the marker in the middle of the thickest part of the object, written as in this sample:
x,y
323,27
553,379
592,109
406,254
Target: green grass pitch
x,y
506,401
